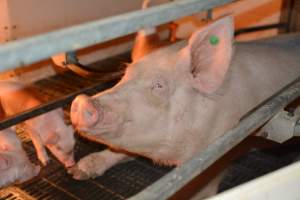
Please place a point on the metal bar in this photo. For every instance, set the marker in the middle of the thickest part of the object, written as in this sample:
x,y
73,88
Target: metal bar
x,y
173,181
28,51
260,28
13,120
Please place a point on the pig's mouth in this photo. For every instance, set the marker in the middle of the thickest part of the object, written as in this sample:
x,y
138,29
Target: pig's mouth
x,y
105,135
103,131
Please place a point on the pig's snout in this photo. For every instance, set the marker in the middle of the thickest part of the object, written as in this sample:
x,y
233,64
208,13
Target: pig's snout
x,y
69,162
83,112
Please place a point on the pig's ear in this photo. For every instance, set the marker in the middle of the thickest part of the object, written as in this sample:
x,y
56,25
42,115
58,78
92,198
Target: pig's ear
x,y
52,138
4,163
209,54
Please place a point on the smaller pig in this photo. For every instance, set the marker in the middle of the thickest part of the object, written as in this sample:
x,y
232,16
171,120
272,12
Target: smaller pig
x,y
47,129
15,167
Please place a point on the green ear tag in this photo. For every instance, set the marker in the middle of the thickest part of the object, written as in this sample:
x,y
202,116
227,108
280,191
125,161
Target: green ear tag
x,y
214,40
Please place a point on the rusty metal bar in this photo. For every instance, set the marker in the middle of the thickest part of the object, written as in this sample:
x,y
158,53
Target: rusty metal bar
x,y
173,181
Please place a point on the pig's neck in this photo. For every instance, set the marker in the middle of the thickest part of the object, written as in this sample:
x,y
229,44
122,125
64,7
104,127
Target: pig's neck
x,y
205,122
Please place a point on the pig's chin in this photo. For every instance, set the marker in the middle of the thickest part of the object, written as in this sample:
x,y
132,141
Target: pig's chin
x,y
102,133
105,129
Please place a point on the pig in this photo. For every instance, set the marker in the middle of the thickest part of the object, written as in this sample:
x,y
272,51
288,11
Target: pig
x,y
15,167
47,130
176,100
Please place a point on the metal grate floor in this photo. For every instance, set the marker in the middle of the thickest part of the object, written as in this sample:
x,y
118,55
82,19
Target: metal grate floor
x,y
258,163
120,182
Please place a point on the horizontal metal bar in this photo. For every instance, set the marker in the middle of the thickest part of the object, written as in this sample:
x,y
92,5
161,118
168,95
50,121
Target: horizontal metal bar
x,y
260,28
57,103
173,181
28,51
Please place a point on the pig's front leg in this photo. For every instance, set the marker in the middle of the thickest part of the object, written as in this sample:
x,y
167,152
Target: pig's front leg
x,y
95,164
38,145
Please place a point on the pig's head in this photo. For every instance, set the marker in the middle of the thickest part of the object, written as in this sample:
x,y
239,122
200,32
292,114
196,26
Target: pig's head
x,y
59,137
14,164
164,98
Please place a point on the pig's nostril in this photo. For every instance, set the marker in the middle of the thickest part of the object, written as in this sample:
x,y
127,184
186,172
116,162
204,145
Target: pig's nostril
x,y
89,113
90,116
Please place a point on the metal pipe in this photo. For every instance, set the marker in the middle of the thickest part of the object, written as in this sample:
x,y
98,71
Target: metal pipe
x,y
260,28
173,181
13,120
28,51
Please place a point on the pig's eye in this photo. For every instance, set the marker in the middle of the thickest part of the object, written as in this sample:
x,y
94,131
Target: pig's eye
x,y
159,87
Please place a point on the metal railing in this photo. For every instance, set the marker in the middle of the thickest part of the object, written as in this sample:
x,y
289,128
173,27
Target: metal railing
x,y
28,51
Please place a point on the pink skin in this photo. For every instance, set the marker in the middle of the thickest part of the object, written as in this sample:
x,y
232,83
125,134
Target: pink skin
x,y
4,162
47,130
14,164
90,114
175,101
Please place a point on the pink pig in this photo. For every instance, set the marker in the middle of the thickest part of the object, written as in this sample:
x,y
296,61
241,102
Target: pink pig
x,y
47,129
175,101
14,164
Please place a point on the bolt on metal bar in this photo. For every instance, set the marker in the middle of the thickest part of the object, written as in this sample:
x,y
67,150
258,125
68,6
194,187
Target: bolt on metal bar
x,y
28,51
177,178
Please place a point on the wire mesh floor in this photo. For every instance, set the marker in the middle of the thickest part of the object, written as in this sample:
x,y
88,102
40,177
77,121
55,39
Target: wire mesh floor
x,y
119,182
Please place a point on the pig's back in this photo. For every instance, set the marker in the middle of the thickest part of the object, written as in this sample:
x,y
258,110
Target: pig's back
x,y
15,97
261,68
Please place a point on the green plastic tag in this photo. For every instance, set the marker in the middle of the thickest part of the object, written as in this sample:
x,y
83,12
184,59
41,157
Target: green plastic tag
x,y
214,40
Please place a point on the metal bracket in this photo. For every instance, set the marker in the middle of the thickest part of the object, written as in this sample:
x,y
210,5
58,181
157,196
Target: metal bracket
x,y
283,126
69,60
